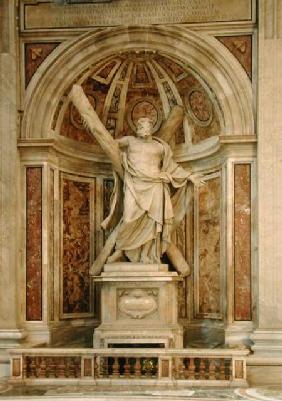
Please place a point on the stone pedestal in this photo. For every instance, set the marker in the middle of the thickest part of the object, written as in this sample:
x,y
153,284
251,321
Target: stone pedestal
x,y
139,306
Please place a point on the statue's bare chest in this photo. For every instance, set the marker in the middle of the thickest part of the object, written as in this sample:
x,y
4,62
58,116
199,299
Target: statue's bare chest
x,y
145,155
144,148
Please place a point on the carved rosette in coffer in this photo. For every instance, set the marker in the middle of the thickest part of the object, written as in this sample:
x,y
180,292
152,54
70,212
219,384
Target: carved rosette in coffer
x,y
137,303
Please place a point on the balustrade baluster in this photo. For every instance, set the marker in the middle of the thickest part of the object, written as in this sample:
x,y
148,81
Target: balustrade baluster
x,y
147,367
37,367
202,369
42,368
61,368
77,369
186,369
105,367
137,368
126,368
115,367
51,367
191,369
229,375
32,368
212,369
222,369
181,369
96,367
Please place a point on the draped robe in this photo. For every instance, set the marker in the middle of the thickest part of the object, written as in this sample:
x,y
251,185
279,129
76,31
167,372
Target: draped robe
x,y
153,204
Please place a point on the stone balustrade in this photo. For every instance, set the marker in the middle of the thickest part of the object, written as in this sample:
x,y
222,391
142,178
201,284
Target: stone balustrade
x,y
222,367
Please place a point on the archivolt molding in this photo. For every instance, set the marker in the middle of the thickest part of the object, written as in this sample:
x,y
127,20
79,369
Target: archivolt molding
x,y
209,58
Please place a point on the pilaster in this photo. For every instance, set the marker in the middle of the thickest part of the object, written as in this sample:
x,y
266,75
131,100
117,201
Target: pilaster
x,y
10,335
268,335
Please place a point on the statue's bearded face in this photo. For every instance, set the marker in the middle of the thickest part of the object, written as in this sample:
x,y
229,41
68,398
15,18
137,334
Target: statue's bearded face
x,y
144,127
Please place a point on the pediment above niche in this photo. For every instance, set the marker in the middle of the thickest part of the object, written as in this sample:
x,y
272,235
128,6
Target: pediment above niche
x,y
130,85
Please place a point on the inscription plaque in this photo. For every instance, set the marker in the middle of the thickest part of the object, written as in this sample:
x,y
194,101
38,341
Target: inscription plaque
x,y
49,15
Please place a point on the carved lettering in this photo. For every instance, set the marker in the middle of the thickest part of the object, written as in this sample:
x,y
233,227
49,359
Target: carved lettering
x,y
47,15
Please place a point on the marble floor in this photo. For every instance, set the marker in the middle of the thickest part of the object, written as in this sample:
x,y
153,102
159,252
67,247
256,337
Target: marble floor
x,y
120,393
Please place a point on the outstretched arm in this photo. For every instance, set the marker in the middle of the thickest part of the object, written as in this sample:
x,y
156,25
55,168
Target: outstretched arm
x,y
172,124
93,123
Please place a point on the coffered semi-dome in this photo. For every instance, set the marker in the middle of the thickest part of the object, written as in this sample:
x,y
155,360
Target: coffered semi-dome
x,y
126,86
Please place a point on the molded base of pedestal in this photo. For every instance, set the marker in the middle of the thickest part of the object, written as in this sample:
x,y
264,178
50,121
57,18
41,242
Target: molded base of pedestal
x,y
107,336
267,343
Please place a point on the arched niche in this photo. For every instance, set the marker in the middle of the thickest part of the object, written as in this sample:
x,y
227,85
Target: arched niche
x,y
83,168
204,54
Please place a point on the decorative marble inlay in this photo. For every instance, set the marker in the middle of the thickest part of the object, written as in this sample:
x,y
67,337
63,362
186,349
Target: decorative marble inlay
x,y
200,107
239,369
76,246
241,48
87,367
137,303
16,367
144,107
208,274
165,368
35,54
33,243
242,242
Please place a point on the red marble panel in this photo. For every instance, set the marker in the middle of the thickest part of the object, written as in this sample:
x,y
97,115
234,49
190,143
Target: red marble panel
x,y
241,48
35,54
209,249
242,242
76,246
181,243
34,243
51,245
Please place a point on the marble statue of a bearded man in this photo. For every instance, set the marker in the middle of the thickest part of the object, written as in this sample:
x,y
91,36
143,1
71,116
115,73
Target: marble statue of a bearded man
x,y
150,211
151,191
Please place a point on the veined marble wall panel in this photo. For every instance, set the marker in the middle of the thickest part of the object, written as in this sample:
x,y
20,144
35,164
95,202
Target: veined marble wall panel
x,y
181,241
77,202
241,47
184,239
34,55
33,243
51,244
207,249
242,242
